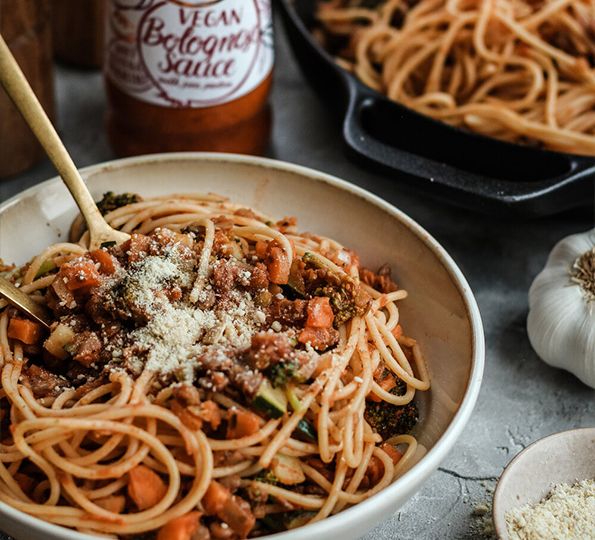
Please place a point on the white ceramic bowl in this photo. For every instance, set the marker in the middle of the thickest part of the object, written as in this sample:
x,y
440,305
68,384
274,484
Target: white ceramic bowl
x,y
565,457
440,312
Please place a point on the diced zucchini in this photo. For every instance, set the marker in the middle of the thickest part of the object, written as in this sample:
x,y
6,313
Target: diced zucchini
x,y
296,281
287,469
312,258
270,401
305,431
59,340
46,266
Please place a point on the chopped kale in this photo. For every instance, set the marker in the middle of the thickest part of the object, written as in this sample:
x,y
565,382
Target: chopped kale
x,y
111,201
347,297
389,420
282,373
266,476
286,520
342,302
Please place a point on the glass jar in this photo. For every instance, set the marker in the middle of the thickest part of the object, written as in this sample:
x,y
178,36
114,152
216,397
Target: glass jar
x,y
188,75
25,26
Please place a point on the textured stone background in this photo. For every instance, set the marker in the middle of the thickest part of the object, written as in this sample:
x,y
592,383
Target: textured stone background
x,y
522,399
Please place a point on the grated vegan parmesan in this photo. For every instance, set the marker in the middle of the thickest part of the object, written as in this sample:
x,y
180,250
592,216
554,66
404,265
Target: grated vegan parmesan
x,y
175,334
567,513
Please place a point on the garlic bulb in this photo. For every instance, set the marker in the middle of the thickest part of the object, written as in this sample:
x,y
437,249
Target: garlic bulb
x,y
561,322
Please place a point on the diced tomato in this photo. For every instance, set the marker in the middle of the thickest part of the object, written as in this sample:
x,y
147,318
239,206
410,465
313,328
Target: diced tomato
x,y
320,313
320,338
78,274
105,260
278,263
398,331
26,331
215,498
136,247
145,487
261,249
394,454
181,528
242,423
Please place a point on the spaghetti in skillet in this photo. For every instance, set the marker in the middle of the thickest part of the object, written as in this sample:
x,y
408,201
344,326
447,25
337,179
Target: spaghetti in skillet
x,y
518,70
218,375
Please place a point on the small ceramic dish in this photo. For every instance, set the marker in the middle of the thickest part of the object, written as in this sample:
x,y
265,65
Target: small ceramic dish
x,y
565,457
441,310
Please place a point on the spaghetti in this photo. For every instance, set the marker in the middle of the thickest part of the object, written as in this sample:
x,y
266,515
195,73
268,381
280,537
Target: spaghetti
x,y
216,376
518,70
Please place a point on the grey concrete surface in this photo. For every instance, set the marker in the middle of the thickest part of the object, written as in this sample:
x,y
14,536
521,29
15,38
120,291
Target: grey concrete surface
x,y
522,399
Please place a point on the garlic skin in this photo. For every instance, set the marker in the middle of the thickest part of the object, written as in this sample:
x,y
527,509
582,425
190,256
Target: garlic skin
x,y
561,321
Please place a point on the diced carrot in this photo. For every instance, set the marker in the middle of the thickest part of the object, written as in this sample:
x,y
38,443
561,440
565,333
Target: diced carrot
x,y
78,274
278,263
320,313
211,413
112,503
24,330
386,381
145,488
393,453
261,249
181,528
398,331
105,260
241,423
215,498
185,414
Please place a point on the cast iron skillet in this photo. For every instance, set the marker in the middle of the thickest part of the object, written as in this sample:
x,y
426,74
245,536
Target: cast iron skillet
x,y
443,161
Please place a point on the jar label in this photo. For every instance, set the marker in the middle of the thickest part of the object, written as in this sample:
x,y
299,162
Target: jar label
x,y
189,53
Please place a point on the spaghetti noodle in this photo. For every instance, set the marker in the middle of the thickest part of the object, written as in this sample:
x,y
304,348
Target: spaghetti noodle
x,y
216,376
518,70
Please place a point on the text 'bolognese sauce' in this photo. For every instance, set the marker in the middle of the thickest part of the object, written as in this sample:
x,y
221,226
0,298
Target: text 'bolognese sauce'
x,y
189,75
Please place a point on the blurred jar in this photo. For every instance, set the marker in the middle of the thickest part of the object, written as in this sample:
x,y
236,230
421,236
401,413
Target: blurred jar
x,y
78,31
189,75
25,26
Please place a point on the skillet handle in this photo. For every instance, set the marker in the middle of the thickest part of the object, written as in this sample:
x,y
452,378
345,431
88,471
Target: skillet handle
x,y
460,165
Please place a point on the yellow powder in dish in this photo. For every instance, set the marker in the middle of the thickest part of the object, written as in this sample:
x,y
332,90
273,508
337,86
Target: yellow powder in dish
x,y
567,513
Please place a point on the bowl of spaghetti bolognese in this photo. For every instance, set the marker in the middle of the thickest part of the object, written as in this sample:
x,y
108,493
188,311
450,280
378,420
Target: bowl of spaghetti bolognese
x,y
255,360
